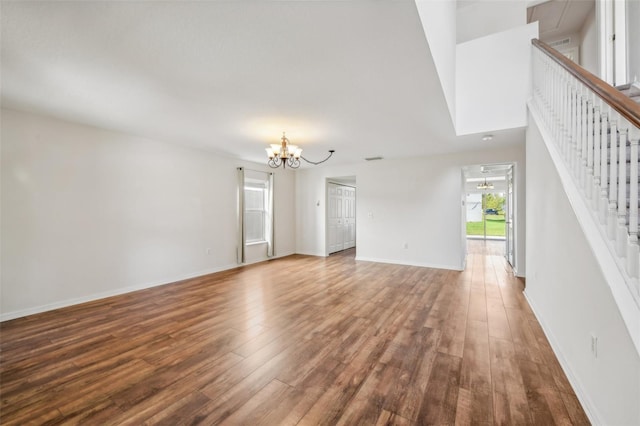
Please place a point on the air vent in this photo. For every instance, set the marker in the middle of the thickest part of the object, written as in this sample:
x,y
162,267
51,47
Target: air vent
x,y
560,43
373,158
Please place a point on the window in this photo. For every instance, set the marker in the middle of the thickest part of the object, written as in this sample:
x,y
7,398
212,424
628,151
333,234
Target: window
x,y
256,211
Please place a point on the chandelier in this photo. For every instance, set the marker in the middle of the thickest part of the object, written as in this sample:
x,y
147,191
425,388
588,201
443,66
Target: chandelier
x,y
286,154
485,185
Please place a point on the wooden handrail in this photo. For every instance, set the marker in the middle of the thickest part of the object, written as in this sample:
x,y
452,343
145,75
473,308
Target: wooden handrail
x,y
616,100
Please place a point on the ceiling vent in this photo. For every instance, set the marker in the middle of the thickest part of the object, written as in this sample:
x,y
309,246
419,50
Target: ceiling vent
x,y
560,43
373,158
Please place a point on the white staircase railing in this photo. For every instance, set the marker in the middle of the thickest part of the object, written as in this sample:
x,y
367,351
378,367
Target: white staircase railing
x,y
596,130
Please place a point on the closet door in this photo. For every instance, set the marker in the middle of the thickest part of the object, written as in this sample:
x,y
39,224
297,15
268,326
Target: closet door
x,y
350,217
332,218
341,217
341,226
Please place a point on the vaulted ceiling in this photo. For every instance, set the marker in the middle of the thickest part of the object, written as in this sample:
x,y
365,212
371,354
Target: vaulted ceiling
x,y
229,77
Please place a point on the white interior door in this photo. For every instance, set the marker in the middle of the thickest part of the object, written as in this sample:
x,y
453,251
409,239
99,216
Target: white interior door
x,y
332,218
349,217
340,226
341,217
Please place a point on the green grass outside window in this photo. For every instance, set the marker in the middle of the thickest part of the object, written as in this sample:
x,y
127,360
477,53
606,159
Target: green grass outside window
x,y
495,226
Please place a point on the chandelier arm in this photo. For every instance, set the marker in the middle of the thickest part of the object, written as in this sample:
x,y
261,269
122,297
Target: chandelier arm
x,y
331,151
274,163
293,162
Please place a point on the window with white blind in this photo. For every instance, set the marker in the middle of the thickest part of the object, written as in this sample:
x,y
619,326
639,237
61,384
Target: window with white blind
x,y
256,211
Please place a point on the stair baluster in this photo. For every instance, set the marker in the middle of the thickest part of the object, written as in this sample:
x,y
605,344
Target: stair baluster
x,y
604,178
613,179
595,189
583,138
621,234
578,133
588,187
596,131
566,120
574,128
633,250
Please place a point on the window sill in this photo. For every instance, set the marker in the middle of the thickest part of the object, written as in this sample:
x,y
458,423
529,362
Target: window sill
x,y
255,243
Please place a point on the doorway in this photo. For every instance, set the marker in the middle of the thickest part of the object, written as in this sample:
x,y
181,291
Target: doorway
x,y
341,214
489,208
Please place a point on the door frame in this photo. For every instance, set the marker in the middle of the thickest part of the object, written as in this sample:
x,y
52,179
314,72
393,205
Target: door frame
x,y
338,181
510,218
514,171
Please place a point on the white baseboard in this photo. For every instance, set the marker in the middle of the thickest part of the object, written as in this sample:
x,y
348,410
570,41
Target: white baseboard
x,y
253,262
311,254
588,405
401,262
6,316
116,292
518,274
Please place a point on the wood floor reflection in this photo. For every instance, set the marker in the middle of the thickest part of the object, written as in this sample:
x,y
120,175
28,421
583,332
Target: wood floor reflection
x,y
299,340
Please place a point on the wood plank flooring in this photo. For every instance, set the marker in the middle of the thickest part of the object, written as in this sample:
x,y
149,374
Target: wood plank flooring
x,y
294,341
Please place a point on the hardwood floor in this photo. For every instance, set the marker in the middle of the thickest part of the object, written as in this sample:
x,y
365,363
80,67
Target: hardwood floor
x,y
300,340
486,247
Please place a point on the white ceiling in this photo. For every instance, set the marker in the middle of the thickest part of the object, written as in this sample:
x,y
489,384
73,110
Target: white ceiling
x,y
354,76
560,17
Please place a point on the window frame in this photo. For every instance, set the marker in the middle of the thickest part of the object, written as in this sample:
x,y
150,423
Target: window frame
x,y
263,187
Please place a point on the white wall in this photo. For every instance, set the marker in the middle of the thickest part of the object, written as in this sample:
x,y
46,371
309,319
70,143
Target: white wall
x,y
572,300
414,201
438,19
88,213
493,81
589,44
482,18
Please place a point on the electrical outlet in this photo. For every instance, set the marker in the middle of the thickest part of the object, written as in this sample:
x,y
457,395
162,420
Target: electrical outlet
x,y
208,251
594,345
406,245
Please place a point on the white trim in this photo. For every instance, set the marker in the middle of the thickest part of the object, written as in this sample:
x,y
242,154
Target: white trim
x,y
620,44
102,295
604,22
123,290
265,259
400,262
612,267
341,184
316,254
589,407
